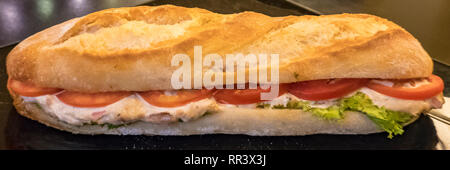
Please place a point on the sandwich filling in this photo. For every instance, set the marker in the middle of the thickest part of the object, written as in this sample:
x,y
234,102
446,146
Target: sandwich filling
x,y
389,110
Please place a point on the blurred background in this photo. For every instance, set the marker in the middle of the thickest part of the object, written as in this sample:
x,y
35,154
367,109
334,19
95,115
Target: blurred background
x,y
428,21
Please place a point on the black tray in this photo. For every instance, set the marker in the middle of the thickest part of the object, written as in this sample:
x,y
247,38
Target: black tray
x,y
17,132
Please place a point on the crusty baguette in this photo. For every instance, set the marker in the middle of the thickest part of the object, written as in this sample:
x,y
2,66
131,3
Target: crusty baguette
x,y
255,122
130,49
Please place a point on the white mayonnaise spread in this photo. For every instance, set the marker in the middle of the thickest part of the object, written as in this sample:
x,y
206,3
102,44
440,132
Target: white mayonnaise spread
x,y
416,83
285,98
133,108
409,106
128,109
250,106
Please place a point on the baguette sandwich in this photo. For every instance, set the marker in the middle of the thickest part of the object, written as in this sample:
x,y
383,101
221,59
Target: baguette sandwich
x,y
110,72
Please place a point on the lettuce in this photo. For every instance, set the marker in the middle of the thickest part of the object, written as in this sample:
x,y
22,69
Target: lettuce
x,y
388,120
330,113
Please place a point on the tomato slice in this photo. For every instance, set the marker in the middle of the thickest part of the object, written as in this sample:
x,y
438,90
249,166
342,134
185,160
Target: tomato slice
x,y
78,99
179,98
30,90
325,89
424,91
244,96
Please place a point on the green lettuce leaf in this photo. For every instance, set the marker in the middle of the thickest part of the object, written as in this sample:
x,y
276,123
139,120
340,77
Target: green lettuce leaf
x,y
330,113
388,120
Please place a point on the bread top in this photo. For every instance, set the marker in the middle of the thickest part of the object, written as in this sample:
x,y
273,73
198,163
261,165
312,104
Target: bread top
x,y
130,49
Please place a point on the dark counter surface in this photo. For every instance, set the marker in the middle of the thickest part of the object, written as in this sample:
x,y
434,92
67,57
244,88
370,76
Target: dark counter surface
x,y
17,132
22,18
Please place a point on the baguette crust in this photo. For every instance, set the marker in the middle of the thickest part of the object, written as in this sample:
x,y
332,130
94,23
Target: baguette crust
x,y
130,49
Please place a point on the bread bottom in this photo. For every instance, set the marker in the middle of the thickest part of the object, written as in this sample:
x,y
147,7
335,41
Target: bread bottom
x,y
255,122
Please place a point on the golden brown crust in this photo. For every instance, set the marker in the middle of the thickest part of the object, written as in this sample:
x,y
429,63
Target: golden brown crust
x,y
131,48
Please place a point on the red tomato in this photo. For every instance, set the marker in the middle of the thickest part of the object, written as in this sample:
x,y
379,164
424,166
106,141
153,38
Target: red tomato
x,y
325,89
182,97
424,91
30,90
78,99
244,96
